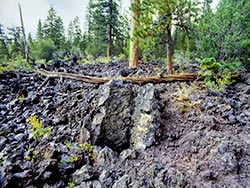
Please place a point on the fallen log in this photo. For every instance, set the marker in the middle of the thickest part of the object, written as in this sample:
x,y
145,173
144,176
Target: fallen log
x,y
136,80
162,79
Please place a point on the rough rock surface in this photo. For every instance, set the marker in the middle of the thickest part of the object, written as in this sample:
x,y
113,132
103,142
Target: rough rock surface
x,y
112,119
123,135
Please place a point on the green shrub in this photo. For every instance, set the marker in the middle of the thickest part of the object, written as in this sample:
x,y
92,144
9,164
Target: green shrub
x,y
37,129
217,75
44,49
16,65
102,59
90,150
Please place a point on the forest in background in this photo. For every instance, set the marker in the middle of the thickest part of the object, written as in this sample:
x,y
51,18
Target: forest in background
x,y
182,30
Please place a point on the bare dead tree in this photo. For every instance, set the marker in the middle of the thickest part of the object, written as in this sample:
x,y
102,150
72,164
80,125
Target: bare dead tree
x,y
24,35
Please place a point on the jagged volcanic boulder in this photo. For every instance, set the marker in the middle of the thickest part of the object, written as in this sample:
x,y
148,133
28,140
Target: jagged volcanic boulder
x,y
125,116
146,117
112,122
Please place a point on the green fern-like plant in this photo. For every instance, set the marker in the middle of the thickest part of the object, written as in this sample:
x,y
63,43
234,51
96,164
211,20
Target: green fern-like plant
x,y
71,184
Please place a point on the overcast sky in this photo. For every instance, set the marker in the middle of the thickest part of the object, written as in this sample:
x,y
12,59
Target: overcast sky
x,y
33,10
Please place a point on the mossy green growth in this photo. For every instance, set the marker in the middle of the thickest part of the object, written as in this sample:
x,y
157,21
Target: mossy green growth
x,y
102,59
37,129
217,75
71,159
67,144
16,65
32,152
20,97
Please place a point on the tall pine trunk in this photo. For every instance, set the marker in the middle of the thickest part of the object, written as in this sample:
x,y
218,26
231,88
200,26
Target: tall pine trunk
x,y
24,36
169,50
109,51
134,40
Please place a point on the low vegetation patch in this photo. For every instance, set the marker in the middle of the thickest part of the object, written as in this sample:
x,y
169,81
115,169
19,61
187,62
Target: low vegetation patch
x,y
18,64
217,75
183,98
37,128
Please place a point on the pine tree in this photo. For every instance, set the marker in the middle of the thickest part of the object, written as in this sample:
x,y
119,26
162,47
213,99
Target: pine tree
x,y
59,37
30,39
40,31
49,24
53,28
4,51
77,34
70,34
225,34
96,29
75,37
16,41
161,16
104,27
31,44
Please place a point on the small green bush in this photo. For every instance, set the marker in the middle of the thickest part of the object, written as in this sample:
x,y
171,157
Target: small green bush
x,y
217,75
44,49
37,129
89,148
16,65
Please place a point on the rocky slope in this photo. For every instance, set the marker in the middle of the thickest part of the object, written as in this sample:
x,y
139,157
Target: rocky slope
x,y
120,134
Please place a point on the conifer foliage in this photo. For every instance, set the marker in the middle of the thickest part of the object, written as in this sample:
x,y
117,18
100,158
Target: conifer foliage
x,y
53,28
158,30
224,34
106,30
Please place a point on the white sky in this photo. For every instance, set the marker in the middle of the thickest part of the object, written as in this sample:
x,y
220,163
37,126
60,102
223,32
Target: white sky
x,y
33,10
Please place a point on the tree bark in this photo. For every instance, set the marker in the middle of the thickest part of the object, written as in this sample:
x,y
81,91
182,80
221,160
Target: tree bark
x,y
169,50
24,35
134,40
109,51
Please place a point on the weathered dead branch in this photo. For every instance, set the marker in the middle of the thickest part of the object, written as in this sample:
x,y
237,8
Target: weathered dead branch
x,y
88,79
